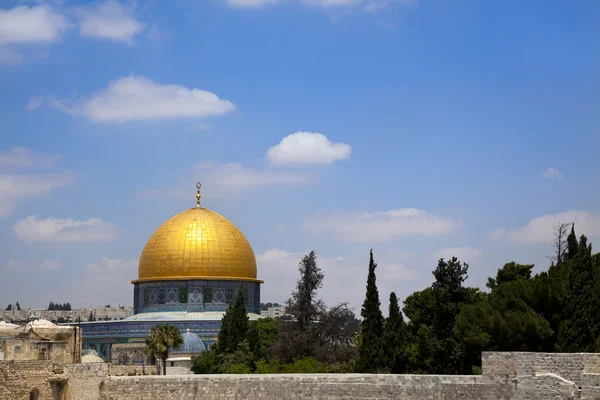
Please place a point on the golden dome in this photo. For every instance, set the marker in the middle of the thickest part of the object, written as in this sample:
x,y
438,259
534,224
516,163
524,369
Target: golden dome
x,y
197,244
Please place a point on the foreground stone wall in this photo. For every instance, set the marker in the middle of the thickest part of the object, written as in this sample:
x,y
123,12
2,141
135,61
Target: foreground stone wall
x,y
303,386
19,378
505,376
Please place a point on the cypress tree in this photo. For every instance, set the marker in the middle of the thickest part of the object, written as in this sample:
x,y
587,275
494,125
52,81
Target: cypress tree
x,y
224,332
572,244
18,306
370,358
234,325
578,332
394,338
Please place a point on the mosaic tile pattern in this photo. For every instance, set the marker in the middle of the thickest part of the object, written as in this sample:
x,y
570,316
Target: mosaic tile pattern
x,y
197,243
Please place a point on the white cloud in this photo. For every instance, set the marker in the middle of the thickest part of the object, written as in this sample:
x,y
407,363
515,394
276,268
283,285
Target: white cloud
x,y
16,188
541,229
233,178
305,148
19,265
139,98
106,281
345,277
24,157
34,103
110,20
552,173
382,226
64,230
250,3
464,254
24,24
10,57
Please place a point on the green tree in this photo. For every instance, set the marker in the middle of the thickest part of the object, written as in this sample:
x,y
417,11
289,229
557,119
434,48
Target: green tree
x,y
370,354
205,362
579,327
234,326
395,338
162,338
9,307
303,305
297,331
18,306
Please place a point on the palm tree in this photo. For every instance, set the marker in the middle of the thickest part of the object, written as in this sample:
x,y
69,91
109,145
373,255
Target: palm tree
x,y
162,338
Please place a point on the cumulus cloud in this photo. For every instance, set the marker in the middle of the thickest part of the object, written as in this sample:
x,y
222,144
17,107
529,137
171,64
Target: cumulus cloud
x,y
46,265
381,226
64,230
10,57
464,254
106,281
16,188
110,20
234,178
24,157
345,277
552,173
139,98
541,229
24,24
223,180
306,148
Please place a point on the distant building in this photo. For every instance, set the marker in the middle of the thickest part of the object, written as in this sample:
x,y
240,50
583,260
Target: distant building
x,y
273,312
80,314
40,340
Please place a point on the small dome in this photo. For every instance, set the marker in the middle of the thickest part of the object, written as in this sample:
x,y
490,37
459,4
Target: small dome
x,y
91,356
191,344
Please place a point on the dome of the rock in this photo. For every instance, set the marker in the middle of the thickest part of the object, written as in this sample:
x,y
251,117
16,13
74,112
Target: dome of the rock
x,y
197,243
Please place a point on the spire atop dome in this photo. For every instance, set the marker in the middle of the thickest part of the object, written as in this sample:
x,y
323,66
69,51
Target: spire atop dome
x,y
198,186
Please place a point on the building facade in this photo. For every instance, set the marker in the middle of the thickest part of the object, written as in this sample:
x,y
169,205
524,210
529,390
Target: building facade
x,y
190,271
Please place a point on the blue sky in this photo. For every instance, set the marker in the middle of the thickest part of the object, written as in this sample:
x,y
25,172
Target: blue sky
x,y
419,128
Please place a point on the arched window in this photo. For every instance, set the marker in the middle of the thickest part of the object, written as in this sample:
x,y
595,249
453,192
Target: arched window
x,y
123,359
34,394
138,358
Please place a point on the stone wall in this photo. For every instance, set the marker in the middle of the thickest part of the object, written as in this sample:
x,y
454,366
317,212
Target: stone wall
x,y
506,376
303,386
130,370
19,378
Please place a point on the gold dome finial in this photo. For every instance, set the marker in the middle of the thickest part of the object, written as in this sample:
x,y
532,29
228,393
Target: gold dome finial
x,y
198,186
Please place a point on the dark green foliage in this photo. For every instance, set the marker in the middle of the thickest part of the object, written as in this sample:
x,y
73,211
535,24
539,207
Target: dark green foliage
x,y
510,272
370,357
303,305
234,326
395,338
310,329
59,307
206,362
18,306
8,308
265,330
579,327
